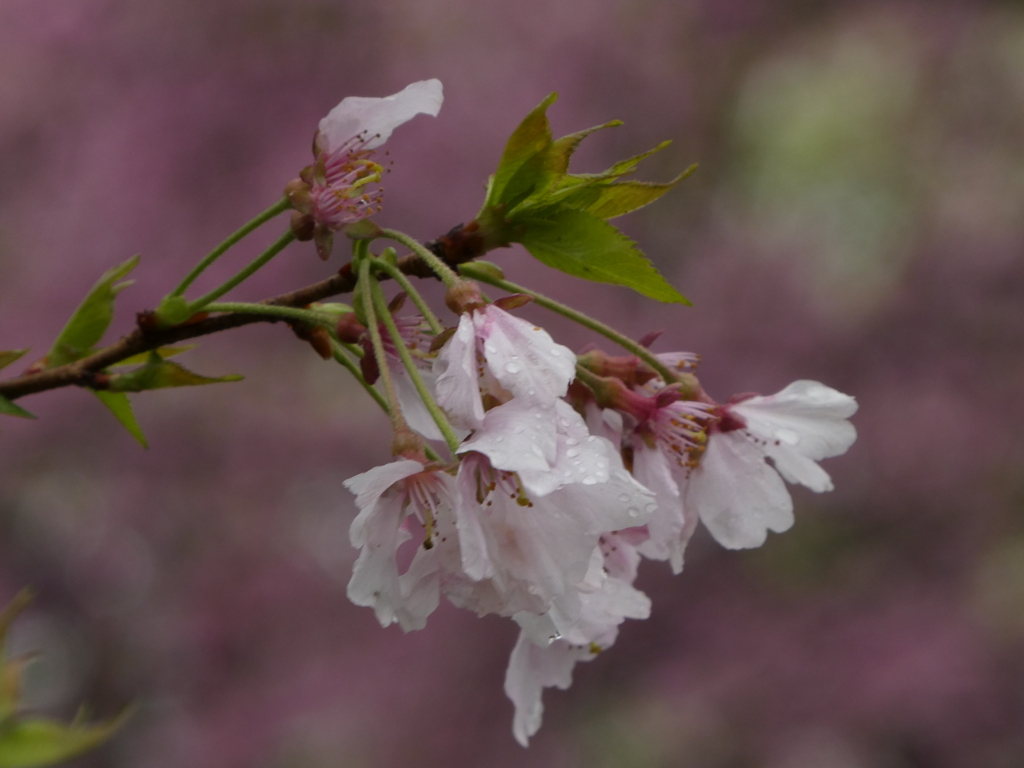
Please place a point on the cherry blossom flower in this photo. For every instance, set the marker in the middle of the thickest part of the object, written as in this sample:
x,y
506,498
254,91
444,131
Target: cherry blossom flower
x,y
529,523
738,495
345,144
495,353
386,496
550,645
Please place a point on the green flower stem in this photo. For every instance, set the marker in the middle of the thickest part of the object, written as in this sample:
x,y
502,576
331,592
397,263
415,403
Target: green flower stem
x,y
270,310
278,245
380,306
371,309
353,349
442,270
597,326
338,351
279,207
406,285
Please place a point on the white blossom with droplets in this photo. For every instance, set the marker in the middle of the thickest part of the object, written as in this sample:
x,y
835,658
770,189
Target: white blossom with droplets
x,y
494,352
550,645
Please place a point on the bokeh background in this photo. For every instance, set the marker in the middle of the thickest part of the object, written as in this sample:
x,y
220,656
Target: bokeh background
x,y
858,218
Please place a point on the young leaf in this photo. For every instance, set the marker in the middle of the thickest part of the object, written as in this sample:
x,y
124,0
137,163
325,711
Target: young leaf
x,y
607,201
522,163
161,374
164,352
7,408
27,743
119,405
9,356
583,245
88,323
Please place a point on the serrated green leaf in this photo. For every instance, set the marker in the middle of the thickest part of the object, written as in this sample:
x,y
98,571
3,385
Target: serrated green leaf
x,y
27,743
522,163
583,245
121,407
7,408
89,322
9,356
608,201
161,374
165,352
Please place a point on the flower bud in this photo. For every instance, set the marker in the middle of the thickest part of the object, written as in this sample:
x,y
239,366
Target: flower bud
x,y
299,194
302,225
629,368
350,330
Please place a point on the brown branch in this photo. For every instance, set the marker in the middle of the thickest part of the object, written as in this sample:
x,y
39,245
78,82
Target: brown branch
x,y
455,247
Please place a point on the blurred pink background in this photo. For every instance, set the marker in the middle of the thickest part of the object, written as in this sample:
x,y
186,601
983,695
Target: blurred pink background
x,y
858,218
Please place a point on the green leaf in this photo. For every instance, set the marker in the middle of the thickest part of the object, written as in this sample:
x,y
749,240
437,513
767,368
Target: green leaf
x,y
9,356
7,408
583,245
27,743
158,373
607,201
164,352
522,163
89,322
121,407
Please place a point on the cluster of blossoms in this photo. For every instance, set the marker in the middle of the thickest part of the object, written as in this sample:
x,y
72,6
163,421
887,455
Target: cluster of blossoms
x,y
565,470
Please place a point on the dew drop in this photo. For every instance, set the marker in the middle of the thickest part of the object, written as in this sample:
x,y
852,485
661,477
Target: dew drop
x,y
513,368
573,453
624,497
589,480
490,349
572,441
633,512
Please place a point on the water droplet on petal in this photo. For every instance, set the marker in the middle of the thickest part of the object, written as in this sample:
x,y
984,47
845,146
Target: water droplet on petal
x,y
589,480
572,440
633,512
513,368
573,453
624,497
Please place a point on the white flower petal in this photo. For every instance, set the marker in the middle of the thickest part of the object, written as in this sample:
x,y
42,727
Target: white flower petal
x,y
738,496
457,382
370,485
420,589
415,412
806,416
376,118
518,436
669,526
531,669
374,579
523,357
